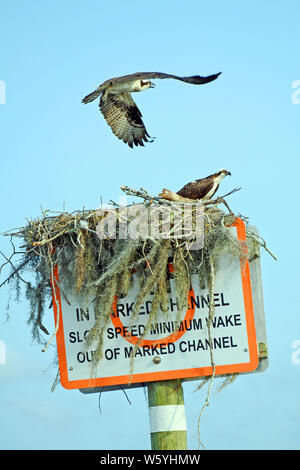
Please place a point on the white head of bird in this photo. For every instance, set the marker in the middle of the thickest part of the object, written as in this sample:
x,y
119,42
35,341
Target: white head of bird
x,y
141,85
222,173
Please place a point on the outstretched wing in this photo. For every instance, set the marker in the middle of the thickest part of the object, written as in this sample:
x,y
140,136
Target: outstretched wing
x,y
124,118
196,189
92,96
195,79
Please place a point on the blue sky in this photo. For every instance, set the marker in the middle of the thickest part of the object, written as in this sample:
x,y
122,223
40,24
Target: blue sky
x,y
55,151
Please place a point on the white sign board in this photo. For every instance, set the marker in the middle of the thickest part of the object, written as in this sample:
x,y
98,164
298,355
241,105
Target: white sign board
x,y
176,344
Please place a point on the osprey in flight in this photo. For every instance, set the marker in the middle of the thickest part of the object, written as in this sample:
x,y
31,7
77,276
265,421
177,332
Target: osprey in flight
x,y
204,188
119,109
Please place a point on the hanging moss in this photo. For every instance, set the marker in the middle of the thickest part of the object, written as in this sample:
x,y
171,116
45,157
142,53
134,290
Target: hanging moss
x,y
103,306
182,278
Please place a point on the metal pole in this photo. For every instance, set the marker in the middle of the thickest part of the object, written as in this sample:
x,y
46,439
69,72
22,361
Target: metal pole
x,y
167,415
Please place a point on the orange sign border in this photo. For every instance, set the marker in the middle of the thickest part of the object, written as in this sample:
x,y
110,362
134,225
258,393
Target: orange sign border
x,y
164,375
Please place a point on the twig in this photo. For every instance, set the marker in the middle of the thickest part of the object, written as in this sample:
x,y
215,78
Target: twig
x,y
143,194
219,198
169,197
43,242
261,241
15,270
124,391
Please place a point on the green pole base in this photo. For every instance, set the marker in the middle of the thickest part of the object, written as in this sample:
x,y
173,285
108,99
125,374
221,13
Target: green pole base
x,y
160,394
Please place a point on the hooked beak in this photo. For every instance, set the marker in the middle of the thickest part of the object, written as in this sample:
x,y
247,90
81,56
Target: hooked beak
x,y
228,173
152,85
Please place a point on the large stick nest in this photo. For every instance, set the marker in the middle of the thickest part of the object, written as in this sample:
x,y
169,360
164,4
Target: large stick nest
x,y
100,268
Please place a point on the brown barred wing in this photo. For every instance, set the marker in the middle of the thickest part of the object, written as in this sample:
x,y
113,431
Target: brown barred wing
x,y
124,118
197,189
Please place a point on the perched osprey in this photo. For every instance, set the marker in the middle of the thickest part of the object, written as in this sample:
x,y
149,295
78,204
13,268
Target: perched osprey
x,y
119,109
204,188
